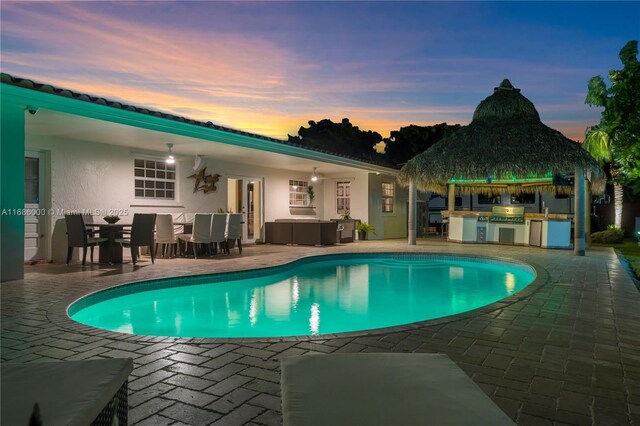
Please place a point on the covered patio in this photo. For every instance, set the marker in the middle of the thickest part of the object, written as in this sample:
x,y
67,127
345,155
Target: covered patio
x,y
100,157
562,352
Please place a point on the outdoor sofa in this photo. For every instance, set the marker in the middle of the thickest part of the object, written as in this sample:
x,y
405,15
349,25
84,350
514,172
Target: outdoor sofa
x,y
313,232
71,393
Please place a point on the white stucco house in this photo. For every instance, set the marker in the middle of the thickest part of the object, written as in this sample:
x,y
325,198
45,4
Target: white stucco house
x,y
63,151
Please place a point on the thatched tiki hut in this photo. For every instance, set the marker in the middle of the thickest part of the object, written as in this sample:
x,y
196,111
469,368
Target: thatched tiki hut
x,y
505,148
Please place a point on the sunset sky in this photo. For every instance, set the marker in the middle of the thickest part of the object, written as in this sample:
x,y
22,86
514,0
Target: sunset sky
x,y
270,67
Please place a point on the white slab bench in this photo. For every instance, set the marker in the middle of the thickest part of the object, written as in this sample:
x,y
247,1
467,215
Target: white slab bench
x,y
382,389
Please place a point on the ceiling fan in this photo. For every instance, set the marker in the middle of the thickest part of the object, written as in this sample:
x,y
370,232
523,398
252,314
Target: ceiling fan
x,y
315,177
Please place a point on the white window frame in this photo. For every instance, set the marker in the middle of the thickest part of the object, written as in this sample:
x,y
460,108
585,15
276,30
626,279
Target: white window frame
x,y
385,196
151,181
345,196
298,196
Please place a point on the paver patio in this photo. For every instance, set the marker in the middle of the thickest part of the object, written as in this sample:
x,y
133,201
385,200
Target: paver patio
x,y
568,353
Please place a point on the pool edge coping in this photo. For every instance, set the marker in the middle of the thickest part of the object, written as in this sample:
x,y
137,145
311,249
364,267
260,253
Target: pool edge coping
x,y
58,313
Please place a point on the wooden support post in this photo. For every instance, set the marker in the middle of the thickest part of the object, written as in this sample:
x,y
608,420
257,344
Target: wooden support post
x,y
412,213
587,215
451,197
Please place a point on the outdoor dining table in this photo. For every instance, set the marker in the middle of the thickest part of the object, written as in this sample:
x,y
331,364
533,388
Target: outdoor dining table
x,y
110,252
188,226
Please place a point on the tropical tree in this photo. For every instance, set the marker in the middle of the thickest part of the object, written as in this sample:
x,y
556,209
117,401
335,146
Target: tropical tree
x,y
341,138
404,144
615,141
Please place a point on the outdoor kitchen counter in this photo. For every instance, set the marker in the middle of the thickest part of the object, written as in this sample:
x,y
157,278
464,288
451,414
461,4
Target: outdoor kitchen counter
x,y
549,232
463,227
527,216
551,216
537,230
467,213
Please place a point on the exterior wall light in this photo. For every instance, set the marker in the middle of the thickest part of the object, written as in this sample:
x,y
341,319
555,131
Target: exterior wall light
x,y
170,158
197,162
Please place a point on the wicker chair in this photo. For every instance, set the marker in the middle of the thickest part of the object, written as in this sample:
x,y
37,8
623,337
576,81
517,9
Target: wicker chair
x,y
79,236
142,235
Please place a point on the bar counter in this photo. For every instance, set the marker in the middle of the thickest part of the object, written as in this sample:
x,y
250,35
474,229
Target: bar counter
x,y
552,231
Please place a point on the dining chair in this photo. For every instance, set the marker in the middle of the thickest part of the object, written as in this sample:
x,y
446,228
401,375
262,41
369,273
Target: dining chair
x,y
201,232
218,231
141,235
189,217
88,219
79,236
179,228
234,232
165,234
178,217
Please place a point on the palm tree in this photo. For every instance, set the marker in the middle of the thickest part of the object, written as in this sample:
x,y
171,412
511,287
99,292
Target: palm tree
x,y
615,139
598,143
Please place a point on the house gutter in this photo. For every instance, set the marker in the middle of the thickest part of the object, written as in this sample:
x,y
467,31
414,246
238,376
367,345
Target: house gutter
x,y
33,100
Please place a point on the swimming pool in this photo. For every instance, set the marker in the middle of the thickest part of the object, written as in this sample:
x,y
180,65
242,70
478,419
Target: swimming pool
x,y
312,296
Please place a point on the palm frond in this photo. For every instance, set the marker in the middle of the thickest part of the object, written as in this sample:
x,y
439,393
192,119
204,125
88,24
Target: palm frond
x,y
597,143
597,94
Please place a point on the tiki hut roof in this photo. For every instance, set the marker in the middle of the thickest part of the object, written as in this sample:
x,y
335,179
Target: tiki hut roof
x,y
505,148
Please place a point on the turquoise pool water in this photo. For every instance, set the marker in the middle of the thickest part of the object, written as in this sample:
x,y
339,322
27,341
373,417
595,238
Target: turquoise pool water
x,y
314,296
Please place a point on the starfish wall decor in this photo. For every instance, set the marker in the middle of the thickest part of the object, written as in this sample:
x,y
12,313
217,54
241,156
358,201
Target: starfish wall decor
x,y
204,182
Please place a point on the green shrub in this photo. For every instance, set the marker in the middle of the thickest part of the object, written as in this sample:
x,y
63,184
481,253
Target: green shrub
x,y
366,228
608,236
635,266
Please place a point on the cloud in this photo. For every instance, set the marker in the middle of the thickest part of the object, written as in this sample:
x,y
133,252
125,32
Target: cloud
x,y
84,45
572,129
258,81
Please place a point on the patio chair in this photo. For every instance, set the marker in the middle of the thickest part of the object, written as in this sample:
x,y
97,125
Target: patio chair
x,y
88,219
201,232
234,232
166,235
382,389
219,230
79,236
178,217
189,217
141,235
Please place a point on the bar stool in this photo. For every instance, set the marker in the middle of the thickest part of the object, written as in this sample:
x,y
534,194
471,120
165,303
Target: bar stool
x,y
444,229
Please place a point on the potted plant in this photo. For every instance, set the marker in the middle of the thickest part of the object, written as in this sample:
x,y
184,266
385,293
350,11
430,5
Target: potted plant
x,y
345,215
365,228
311,194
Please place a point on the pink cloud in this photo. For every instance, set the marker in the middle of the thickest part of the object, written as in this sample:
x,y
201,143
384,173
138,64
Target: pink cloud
x,y
238,80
